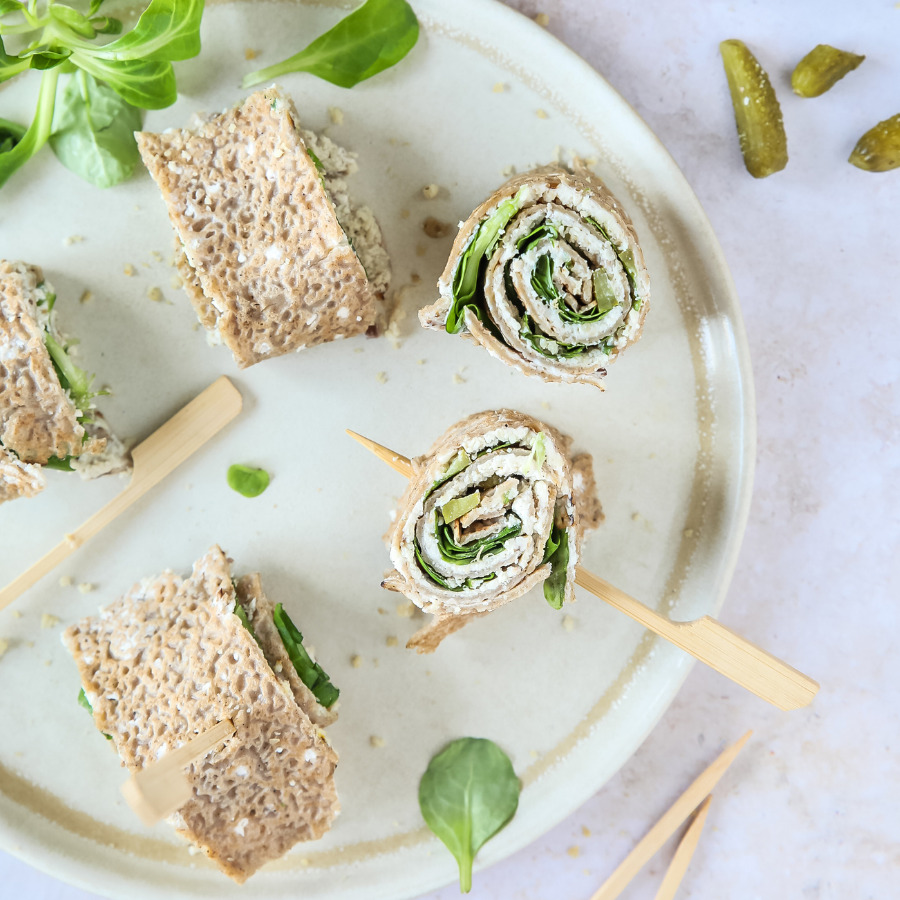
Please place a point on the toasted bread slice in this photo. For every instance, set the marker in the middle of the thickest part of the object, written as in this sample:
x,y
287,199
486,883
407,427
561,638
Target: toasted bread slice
x,y
273,269
171,659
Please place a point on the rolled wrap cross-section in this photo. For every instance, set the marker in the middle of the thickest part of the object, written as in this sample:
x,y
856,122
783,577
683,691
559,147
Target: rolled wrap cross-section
x,y
548,276
495,508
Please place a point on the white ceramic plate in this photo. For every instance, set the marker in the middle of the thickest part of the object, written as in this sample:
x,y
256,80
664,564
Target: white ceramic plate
x,y
672,440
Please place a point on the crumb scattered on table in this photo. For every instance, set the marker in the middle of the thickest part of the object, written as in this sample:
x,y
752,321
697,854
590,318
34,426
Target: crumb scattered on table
x,y
16,614
499,87
250,53
72,239
545,404
66,581
405,610
688,532
129,270
382,611
430,191
381,377
404,213
48,620
155,294
542,19
85,587
574,851
391,640
568,623
508,171
541,114
336,114
585,831
376,741
4,646
420,249
356,661
86,297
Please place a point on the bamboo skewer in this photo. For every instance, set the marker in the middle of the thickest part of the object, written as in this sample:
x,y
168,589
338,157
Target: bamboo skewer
x,y
670,822
159,789
684,852
705,639
169,446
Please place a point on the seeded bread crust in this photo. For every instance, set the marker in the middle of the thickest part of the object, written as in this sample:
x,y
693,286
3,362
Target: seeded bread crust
x,y
260,609
18,479
37,420
271,260
170,659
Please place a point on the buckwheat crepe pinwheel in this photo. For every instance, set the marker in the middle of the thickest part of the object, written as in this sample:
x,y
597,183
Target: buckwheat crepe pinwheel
x,y
548,276
496,507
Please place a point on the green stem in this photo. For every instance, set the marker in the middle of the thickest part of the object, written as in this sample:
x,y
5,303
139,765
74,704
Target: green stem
x,y
38,131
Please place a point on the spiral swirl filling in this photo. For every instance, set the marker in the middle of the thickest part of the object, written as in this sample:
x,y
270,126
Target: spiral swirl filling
x,y
553,282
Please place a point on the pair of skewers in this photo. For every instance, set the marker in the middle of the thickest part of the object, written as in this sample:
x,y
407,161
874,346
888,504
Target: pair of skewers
x,y
158,790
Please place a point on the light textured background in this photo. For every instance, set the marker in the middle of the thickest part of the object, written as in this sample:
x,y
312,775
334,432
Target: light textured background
x,y
810,810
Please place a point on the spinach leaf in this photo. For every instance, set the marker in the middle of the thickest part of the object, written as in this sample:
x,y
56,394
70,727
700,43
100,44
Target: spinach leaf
x,y
544,230
311,674
166,30
94,135
465,553
11,65
61,465
149,84
241,613
73,19
555,585
72,378
535,336
83,701
246,480
37,133
10,134
372,38
468,793
469,268
542,279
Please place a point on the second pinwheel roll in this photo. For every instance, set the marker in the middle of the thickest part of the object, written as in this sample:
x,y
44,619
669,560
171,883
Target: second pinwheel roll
x,y
497,507
547,274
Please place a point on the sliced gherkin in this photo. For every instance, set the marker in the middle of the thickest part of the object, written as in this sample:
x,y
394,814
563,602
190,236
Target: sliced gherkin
x,y
878,150
821,69
457,507
756,111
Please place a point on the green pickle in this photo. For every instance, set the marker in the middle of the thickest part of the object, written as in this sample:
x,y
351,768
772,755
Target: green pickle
x,y
756,111
821,69
878,150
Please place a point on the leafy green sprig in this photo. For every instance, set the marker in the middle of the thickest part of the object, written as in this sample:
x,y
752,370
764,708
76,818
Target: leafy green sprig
x,y
91,127
369,40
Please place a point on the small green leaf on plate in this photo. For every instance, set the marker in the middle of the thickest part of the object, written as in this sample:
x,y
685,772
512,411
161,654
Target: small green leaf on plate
x,y
468,793
246,480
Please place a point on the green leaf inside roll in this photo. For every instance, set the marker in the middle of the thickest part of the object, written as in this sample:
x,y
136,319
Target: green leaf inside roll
x,y
311,673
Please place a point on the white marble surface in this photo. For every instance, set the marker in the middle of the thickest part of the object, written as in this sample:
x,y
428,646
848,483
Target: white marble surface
x,y
810,810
